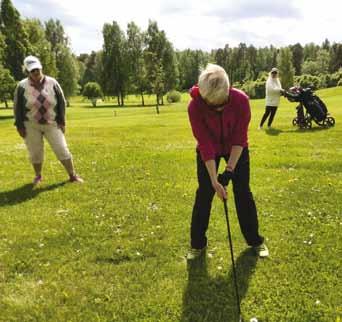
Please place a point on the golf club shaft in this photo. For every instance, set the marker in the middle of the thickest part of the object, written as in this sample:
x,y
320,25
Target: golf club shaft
x,y
232,257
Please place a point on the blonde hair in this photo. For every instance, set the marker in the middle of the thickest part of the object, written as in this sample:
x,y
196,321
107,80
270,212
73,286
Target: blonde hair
x,y
213,84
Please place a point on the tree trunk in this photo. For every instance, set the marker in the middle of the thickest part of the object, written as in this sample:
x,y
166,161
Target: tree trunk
x,y
93,102
157,108
118,97
6,104
142,99
162,100
122,99
67,103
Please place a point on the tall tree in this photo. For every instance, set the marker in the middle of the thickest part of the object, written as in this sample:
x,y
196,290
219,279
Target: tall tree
x,y
153,54
136,69
55,34
67,71
40,46
170,68
7,85
323,60
335,57
16,40
89,73
286,67
2,48
66,63
114,62
297,58
310,51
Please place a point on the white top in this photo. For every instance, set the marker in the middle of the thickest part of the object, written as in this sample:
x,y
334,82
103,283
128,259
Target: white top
x,y
273,88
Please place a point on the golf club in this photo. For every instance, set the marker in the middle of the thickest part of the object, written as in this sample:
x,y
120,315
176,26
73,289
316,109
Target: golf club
x,y
233,262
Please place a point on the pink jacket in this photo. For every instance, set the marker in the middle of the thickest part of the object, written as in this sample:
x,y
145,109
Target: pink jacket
x,y
216,132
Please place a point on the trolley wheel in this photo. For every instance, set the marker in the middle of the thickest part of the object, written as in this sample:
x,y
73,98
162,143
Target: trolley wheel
x,y
308,124
330,121
295,121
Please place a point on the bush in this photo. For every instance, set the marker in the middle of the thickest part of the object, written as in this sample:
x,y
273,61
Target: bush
x,y
249,88
92,91
173,96
308,81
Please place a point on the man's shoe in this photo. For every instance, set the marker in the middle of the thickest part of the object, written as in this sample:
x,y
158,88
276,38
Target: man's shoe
x,y
261,250
75,178
195,253
37,180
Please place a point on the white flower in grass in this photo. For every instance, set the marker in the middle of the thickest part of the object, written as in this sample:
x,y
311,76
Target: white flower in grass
x,y
138,253
219,268
41,245
318,302
40,282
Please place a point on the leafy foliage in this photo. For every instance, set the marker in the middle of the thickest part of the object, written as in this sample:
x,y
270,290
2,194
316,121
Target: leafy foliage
x,y
174,96
92,91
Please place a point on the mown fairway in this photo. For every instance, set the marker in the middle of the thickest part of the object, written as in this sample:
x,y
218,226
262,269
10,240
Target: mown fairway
x,y
113,249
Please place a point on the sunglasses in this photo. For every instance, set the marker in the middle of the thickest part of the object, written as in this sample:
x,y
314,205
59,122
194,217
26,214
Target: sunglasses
x,y
274,73
34,70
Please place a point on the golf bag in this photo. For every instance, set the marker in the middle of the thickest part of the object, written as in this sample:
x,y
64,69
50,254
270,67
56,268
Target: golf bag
x,y
315,108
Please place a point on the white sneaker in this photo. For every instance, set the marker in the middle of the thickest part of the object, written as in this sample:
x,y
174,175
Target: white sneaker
x,y
262,250
195,253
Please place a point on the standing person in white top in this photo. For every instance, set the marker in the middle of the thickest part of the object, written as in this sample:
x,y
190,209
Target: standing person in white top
x,y
273,93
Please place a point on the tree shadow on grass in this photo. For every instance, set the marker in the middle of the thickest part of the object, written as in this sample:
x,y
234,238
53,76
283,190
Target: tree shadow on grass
x,y
25,193
213,299
114,106
6,117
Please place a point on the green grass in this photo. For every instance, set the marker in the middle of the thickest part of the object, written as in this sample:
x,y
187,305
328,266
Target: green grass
x,y
113,248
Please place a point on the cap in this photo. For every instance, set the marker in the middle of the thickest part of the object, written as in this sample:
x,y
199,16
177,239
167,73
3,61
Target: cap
x,y
274,70
32,62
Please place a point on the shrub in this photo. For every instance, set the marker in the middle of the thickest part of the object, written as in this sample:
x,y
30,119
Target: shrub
x,y
308,81
173,96
92,91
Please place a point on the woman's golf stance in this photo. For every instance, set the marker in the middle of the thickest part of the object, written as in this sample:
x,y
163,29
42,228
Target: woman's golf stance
x,y
219,117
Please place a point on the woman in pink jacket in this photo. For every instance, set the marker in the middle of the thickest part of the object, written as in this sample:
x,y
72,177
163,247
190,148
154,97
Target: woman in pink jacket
x,y
219,117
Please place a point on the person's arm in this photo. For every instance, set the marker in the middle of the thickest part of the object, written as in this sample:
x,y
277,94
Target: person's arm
x,y
240,133
220,190
234,157
200,132
19,108
60,107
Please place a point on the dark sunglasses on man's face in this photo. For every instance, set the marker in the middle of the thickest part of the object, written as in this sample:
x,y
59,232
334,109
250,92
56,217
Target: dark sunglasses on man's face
x,y
274,73
34,70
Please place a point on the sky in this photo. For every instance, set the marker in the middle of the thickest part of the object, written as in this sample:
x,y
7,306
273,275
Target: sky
x,y
195,24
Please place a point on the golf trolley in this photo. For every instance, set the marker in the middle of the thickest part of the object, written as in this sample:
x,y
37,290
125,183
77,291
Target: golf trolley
x,y
315,108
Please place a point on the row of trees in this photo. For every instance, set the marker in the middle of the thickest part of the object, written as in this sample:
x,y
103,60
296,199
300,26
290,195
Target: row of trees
x,y
22,37
144,62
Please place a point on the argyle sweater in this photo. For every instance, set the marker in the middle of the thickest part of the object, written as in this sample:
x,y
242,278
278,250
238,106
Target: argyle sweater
x,y
43,103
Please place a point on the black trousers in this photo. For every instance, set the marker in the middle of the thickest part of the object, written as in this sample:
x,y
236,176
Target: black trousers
x,y
244,203
270,111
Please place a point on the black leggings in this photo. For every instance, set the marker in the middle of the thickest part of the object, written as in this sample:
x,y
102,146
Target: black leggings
x,y
270,111
244,203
